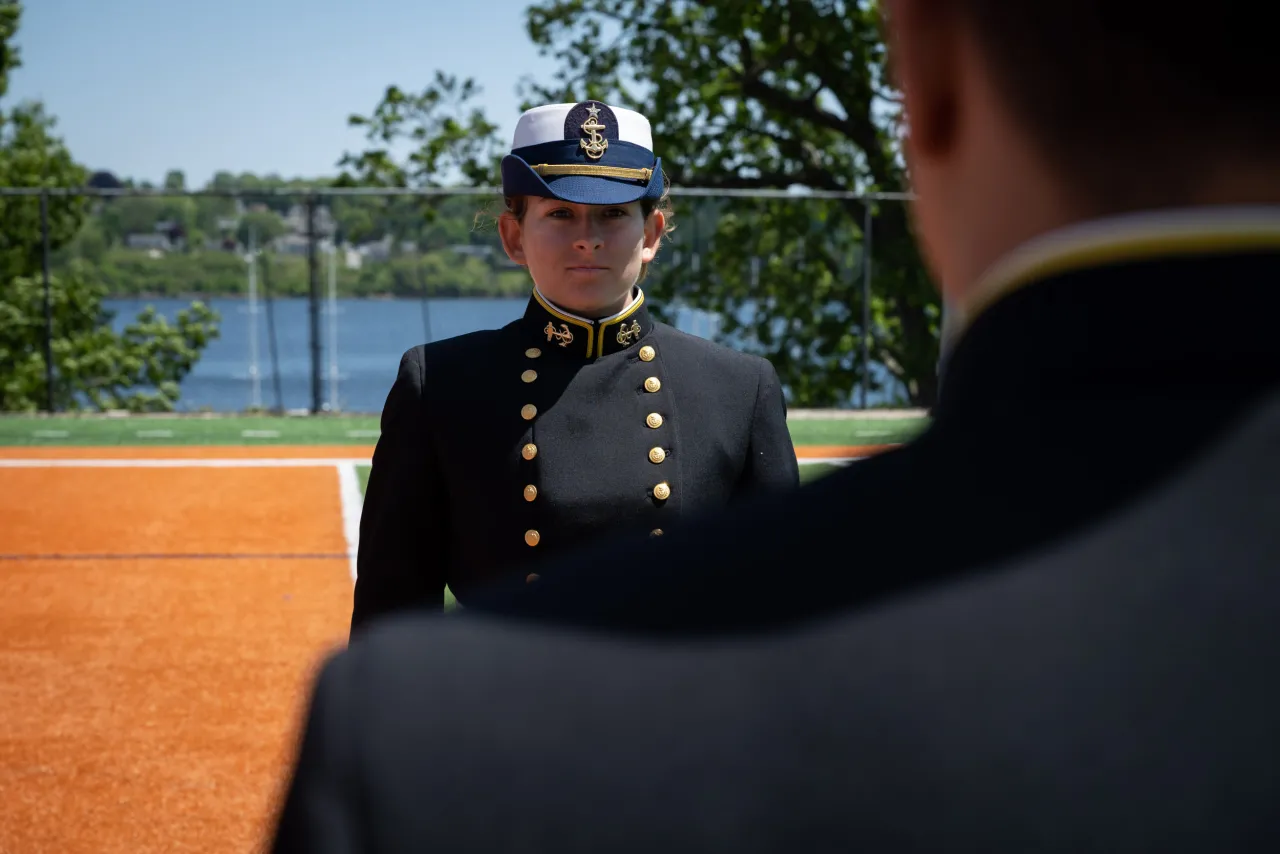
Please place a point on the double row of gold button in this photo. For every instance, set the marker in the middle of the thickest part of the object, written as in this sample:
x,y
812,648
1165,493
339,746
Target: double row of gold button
x,y
654,420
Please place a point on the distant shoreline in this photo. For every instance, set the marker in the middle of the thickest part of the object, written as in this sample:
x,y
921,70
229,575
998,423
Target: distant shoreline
x,y
383,297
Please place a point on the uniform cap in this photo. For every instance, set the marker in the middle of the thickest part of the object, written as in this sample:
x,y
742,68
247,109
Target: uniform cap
x,y
588,153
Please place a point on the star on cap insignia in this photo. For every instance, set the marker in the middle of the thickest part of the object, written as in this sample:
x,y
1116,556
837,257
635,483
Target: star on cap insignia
x,y
594,144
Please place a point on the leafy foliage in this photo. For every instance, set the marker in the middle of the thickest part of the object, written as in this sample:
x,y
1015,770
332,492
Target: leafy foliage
x,y
767,95
137,369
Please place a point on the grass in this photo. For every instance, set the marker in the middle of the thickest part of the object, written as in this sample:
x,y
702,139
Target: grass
x,y
98,430
188,430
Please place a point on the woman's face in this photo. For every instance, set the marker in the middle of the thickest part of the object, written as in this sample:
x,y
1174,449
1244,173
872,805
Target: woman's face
x,y
584,258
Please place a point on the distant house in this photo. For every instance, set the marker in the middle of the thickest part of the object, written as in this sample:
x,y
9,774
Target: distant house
x,y
157,241
298,244
377,250
290,244
296,220
175,231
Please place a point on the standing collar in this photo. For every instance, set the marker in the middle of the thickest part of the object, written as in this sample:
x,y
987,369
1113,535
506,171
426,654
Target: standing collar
x,y
1116,311
568,334
1141,236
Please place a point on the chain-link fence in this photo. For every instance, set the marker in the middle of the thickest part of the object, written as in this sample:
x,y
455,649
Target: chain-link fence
x,y
317,293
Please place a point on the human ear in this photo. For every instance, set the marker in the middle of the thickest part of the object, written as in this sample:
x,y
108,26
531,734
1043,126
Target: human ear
x,y
924,54
654,226
512,234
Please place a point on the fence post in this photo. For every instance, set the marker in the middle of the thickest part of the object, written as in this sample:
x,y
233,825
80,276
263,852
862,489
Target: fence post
x,y
866,302
313,273
48,302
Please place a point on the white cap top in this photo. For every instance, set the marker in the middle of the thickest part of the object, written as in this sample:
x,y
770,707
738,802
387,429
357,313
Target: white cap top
x,y
546,124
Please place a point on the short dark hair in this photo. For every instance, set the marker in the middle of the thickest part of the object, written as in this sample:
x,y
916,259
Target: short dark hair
x,y
1130,98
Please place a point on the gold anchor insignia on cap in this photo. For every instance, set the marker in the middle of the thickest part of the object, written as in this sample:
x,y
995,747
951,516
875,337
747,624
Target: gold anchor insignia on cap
x,y
594,145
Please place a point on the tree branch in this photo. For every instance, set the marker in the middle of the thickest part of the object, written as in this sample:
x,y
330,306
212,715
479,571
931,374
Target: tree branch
x,y
753,85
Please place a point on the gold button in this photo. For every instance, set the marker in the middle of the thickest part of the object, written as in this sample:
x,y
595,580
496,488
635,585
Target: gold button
x,y
656,532
662,491
529,376
531,577
532,537
533,352
647,353
654,420
528,411
530,492
652,384
530,451
657,455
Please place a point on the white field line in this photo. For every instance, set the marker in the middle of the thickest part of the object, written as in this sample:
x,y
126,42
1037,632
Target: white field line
x,y
352,499
352,504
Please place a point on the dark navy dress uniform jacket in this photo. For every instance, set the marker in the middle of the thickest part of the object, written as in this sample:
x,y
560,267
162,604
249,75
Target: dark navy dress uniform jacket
x,y
508,446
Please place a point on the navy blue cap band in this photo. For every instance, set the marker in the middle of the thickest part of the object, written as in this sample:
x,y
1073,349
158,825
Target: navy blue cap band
x,y
626,173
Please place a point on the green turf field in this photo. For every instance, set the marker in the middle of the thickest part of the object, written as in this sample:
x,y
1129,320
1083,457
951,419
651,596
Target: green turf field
x,y
341,430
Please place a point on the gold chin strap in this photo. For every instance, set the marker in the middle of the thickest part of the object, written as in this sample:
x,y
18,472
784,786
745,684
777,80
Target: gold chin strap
x,y
546,169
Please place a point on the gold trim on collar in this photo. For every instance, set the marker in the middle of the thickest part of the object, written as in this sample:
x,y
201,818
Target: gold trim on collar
x,y
595,328
1133,237
622,333
567,318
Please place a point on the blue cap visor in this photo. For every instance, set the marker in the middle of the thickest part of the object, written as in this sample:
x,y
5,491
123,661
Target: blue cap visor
x,y
521,168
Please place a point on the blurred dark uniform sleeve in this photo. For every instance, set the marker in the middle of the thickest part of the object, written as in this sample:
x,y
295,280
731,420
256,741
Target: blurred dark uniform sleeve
x,y
403,527
319,811
771,463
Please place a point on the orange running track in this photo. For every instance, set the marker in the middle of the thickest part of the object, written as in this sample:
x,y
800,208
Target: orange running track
x,y
150,691
308,452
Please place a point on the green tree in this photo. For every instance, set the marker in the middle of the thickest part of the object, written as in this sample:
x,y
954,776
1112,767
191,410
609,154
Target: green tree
x,y
262,226
138,369
94,366
30,157
769,95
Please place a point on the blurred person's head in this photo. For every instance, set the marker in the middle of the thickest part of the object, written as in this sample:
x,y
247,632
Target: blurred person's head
x,y
1027,115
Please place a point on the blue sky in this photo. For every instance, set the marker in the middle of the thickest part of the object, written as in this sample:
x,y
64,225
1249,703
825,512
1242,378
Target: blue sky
x,y
143,86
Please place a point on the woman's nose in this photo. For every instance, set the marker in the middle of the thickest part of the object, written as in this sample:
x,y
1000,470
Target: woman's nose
x,y
589,238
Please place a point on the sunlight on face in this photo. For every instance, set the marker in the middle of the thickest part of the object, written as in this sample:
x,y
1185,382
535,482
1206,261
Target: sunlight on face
x,y
584,258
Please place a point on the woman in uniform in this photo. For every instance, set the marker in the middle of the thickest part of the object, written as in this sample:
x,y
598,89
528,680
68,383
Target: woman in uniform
x,y
582,419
